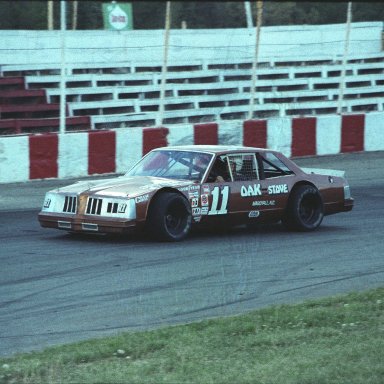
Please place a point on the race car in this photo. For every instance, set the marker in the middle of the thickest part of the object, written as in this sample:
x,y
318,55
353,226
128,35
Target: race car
x,y
173,189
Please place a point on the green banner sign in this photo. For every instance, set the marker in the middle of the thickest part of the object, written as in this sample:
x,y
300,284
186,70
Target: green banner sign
x,y
117,16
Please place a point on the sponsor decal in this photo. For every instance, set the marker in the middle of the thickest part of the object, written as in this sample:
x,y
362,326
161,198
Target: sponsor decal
x,y
194,202
263,203
193,194
250,190
206,189
277,189
254,214
204,200
189,188
196,211
142,199
204,211
122,207
47,203
197,219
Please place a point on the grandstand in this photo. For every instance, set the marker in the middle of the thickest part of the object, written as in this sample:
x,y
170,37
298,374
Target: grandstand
x,y
113,78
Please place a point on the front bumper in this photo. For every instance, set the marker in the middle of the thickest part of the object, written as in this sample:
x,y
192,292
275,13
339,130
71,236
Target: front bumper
x,y
84,224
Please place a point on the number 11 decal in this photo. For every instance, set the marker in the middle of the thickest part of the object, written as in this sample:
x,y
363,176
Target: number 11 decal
x,y
216,192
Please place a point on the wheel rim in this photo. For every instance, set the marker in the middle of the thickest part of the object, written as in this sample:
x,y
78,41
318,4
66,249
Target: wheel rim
x,y
309,209
176,219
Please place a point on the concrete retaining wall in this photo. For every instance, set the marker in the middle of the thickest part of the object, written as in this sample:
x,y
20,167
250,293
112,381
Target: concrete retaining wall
x,y
42,156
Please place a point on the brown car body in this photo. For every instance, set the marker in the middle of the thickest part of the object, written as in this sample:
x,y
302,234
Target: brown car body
x,y
271,189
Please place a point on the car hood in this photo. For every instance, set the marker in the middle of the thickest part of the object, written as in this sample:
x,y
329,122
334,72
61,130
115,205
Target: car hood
x,y
123,186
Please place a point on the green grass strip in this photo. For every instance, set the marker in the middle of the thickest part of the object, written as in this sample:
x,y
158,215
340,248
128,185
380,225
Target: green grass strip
x,y
333,340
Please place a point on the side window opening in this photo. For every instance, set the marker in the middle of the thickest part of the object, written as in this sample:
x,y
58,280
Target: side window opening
x,y
243,167
273,166
234,167
219,171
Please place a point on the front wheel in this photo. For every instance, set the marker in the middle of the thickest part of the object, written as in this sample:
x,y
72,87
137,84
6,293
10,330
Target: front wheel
x,y
169,217
305,210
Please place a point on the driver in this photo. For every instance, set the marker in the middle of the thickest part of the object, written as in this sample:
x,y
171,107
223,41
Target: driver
x,y
219,172
201,163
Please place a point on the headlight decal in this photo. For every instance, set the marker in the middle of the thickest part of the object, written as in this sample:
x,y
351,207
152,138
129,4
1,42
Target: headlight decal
x,y
56,202
111,207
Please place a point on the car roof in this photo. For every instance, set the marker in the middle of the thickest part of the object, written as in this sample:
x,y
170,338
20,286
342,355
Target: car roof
x,y
214,148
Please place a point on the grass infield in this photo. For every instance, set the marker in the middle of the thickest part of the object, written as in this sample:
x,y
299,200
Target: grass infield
x,y
333,340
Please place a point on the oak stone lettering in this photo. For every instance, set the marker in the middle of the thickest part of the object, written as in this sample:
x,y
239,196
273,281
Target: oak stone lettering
x,y
250,190
276,189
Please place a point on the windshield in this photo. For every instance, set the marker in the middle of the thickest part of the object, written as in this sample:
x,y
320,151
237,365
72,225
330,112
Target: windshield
x,y
172,164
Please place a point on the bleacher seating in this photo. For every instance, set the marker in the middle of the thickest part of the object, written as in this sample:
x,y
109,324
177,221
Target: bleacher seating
x,y
27,110
114,95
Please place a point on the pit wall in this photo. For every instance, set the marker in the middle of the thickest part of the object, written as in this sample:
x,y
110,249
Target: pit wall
x,y
71,155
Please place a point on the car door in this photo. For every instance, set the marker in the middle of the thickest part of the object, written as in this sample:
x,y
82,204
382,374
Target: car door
x,y
216,191
277,180
260,187
247,200
245,186
234,190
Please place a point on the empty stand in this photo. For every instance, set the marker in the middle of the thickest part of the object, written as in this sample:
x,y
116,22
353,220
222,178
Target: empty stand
x,y
27,110
115,94
23,126
115,99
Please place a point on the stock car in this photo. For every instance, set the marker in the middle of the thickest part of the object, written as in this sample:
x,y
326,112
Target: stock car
x,y
173,189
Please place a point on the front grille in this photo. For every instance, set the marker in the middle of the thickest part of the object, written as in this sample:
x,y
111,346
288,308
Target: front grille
x,y
94,206
70,204
112,207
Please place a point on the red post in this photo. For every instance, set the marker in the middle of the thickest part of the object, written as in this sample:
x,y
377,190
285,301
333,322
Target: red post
x,y
255,133
101,152
206,134
303,136
43,155
154,138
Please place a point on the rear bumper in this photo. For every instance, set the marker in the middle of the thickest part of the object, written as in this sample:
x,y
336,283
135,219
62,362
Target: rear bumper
x,y
338,206
348,204
86,224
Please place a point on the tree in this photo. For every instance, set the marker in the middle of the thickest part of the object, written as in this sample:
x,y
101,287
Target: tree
x,y
23,14
90,14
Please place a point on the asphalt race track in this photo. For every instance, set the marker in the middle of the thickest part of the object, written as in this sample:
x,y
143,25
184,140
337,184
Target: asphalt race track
x,y
57,288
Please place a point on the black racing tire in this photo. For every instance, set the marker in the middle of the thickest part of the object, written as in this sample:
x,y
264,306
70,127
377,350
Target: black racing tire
x,y
305,210
169,217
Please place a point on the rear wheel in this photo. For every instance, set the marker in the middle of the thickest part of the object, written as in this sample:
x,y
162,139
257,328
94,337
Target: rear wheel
x,y
305,209
169,217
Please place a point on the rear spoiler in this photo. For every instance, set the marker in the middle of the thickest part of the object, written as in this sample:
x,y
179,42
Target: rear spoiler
x,y
326,172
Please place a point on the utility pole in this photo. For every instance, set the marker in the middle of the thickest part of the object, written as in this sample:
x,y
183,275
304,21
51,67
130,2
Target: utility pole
x,y
248,14
74,15
259,5
50,15
346,46
63,22
165,62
